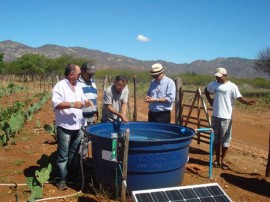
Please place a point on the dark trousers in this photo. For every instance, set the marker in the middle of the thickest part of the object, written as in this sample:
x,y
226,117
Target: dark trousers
x,y
162,116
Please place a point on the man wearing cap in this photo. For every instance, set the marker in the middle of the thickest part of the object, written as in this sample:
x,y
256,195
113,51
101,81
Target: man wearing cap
x,y
88,85
225,92
160,95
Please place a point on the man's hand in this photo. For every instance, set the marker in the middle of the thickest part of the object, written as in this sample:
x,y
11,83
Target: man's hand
x,y
124,117
77,105
95,118
147,99
150,99
88,103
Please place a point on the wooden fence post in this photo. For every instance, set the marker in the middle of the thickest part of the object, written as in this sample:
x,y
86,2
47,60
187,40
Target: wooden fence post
x,y
135,99
191,107
178,102
44,82
267,172
206,111
52,81
105,81
40,82
125,166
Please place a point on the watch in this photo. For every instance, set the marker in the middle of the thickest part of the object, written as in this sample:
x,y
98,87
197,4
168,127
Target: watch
x,y
71,104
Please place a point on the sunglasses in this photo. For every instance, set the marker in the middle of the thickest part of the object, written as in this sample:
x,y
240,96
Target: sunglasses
x,y
155,76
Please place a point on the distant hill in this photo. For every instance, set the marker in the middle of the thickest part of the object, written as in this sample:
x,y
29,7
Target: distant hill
x,y
238,67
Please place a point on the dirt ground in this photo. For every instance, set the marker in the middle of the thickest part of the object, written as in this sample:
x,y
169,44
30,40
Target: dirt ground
x,y
244,181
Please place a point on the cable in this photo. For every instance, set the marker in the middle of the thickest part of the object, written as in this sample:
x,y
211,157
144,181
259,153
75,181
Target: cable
x,y
50,182
58,197
116,184
123,179
13,185
82,171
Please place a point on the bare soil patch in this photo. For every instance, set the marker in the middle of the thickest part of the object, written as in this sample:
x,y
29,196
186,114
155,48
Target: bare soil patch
x,y
244,181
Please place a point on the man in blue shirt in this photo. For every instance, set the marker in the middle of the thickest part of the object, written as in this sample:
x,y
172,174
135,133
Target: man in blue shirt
x,y
160,95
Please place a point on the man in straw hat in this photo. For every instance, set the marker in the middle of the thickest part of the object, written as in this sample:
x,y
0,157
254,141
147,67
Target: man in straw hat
x,y
225,92
160,95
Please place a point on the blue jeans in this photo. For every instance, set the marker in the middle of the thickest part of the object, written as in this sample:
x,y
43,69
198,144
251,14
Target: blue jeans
x,y
68,158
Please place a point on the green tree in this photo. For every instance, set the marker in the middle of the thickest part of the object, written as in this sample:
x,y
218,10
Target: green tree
x,y
31,64
263,62
57,65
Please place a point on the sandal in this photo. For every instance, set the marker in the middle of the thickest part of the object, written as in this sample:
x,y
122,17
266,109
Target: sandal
x,y
215,164
224,167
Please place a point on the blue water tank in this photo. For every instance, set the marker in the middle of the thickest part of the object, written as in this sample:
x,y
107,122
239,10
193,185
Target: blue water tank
x,y
157,154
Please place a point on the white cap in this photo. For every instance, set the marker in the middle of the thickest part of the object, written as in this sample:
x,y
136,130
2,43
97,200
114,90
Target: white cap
x,y
220,72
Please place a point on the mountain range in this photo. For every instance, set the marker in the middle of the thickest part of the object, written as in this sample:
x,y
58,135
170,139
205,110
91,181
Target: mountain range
x,y
237,67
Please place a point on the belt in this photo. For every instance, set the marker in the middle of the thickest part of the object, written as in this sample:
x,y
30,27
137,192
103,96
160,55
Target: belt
x,y
89,114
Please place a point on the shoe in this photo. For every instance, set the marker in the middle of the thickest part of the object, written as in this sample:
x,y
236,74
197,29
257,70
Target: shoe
x,y
224,167
61,186
215,164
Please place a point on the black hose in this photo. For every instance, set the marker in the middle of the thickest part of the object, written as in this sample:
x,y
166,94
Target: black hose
x,y
83,141
82,171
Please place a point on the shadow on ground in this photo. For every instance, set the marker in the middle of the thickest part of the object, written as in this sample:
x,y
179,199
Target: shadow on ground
x,y
198,161
255,185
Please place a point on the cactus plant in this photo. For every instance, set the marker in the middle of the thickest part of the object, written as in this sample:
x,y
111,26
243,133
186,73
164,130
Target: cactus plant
x,y
36,184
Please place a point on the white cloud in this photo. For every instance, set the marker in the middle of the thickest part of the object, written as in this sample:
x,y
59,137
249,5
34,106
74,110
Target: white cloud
x,y
142,38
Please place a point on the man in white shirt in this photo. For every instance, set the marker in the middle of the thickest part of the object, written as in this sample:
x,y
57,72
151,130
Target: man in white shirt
x,y
68,100
225,93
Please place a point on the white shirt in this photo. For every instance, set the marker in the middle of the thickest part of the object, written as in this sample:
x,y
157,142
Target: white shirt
x,y
70,118
224,96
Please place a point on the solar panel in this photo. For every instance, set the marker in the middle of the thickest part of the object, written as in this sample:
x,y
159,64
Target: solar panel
x,y
203,192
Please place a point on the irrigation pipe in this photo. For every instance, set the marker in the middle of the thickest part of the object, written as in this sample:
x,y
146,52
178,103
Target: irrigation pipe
x,y
210,175
59,197
44,199
13,185
70,195
50,182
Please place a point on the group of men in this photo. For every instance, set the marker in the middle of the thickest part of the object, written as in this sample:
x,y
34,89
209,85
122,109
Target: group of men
x,y
75,105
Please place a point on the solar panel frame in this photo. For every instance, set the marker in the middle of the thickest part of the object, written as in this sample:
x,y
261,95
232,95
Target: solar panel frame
x,y
192,193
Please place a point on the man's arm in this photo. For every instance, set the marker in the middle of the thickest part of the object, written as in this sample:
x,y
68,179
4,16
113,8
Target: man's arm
x,y
121,114
208,97
67,105
246,101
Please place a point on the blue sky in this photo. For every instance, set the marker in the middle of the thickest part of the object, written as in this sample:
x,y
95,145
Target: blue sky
x,y
178,31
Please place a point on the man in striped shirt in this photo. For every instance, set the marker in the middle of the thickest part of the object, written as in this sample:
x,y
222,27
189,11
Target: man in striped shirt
x,y
88,85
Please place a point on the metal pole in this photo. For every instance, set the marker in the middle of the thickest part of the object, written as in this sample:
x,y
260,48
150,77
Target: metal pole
x,y
210,175
211,154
